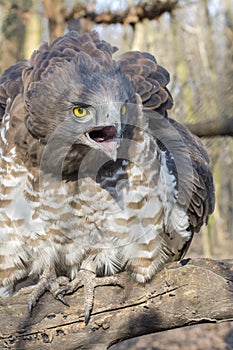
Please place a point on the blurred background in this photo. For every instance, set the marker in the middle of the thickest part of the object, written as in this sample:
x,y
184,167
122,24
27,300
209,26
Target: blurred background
x,y
193,39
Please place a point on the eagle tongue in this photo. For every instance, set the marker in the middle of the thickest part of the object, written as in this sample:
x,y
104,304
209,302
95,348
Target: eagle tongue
x,y
109,145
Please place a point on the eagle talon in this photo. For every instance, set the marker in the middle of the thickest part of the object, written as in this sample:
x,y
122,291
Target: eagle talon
x,y
48,282
87,279
60,297
63,290
30,308
87,314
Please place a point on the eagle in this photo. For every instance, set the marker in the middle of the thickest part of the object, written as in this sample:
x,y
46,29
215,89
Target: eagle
x,y
96,178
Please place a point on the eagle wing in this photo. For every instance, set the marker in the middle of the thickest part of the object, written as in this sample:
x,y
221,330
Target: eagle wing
x,y
196,188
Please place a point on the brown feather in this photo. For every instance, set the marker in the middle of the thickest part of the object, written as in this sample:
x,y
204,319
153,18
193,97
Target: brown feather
x,y
149,80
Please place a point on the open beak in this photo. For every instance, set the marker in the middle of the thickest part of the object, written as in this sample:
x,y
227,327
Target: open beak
x,y
106,138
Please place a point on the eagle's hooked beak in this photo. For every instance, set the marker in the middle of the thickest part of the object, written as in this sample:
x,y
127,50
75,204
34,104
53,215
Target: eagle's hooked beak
x,y
106,138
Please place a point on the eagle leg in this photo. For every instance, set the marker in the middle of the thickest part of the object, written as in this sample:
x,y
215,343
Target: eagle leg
x,y
87,278
48,282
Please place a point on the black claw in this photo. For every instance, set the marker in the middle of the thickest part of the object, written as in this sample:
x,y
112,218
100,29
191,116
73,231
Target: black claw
x,y
87,312
30,308
62,290
61,298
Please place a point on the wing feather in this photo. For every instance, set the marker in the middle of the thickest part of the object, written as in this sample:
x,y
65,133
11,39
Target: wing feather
x,y
11,84
149,80
202,200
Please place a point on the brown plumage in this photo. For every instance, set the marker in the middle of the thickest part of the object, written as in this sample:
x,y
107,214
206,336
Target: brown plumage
x,y
95,177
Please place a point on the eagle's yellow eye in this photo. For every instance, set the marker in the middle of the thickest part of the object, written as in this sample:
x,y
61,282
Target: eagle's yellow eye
x,y
80,112
123,110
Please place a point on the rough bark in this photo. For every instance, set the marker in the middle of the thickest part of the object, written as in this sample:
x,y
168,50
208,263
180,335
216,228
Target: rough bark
x,y
186,293
215,127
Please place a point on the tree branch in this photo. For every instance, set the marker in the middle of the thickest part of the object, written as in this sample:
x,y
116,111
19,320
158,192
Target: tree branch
x,y
214,127
186,293
131,15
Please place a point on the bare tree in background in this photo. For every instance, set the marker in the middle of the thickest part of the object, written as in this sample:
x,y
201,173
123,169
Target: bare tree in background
x,y
20,30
